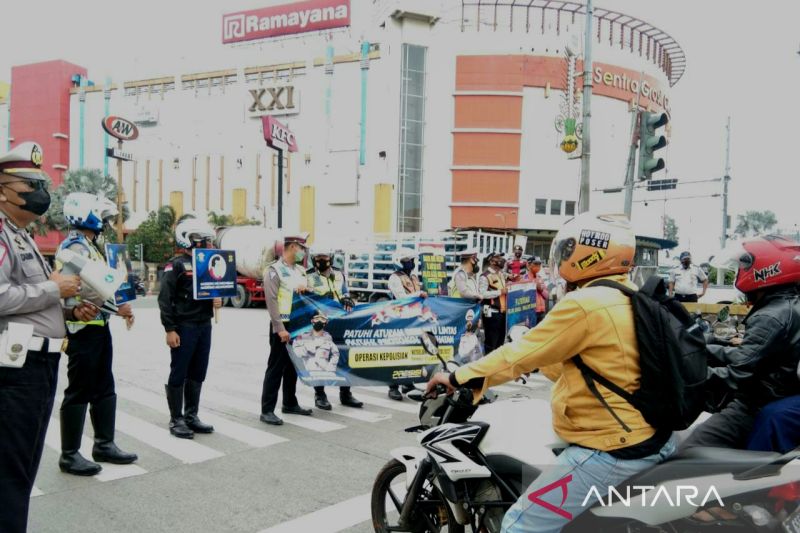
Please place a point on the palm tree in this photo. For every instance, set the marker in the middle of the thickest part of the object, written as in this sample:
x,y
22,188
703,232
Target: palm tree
x,y
80,180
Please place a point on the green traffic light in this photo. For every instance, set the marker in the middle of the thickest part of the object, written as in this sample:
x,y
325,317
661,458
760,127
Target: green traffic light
x,y
649,142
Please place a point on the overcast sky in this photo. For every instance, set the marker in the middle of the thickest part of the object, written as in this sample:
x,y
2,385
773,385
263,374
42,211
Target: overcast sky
x,y
742,61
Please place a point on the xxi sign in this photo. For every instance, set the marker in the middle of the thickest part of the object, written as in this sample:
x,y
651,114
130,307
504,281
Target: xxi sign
x,y
281,100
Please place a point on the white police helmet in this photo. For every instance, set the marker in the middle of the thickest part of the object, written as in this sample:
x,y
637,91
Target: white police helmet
x,y
88,211
190,230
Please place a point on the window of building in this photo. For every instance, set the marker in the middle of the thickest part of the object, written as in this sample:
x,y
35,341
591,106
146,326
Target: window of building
x,y
569,208
412,123
541,206
555,207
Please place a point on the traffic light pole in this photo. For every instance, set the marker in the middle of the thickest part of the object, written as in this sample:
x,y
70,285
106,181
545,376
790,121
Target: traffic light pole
x,y
629,176
725,180
583,204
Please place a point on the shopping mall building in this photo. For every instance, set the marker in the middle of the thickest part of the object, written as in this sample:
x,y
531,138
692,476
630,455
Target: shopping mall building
x,y
408,115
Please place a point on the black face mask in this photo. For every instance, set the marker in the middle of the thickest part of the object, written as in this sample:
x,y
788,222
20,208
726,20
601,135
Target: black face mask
x,y
408,266
36,202
686,263
323,265
318,326
518,254
474,264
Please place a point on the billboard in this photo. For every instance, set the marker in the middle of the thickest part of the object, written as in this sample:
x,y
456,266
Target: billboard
x,y
286,19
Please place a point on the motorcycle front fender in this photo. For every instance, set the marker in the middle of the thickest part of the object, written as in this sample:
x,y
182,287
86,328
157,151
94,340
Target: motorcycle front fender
x,y
411,457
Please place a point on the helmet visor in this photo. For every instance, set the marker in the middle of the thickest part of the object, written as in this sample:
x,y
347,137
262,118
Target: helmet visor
x,y
560,252
733,257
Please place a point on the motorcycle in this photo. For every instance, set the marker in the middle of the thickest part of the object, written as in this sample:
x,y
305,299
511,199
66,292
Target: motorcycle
x,y
474,462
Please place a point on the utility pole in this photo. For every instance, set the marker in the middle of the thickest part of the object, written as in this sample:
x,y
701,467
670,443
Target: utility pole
x,y
583,204
725,180
629,175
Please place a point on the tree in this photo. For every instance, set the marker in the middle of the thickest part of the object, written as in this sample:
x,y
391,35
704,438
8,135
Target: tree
x,y
755,222
670,229
221,220
156,234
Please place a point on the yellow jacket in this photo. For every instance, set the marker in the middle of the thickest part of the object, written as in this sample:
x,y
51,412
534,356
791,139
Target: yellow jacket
x,y
597,323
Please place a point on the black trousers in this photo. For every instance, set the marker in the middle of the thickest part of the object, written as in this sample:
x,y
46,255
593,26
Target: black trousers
x,y
494,330
321,390
279,369
730,428
190,359
26,401
686,298
90,354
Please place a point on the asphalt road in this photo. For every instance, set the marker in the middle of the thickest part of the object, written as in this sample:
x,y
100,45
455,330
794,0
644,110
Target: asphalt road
x,y
311,474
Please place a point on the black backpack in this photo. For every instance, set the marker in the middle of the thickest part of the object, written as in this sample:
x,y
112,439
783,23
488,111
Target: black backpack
x,y
673,359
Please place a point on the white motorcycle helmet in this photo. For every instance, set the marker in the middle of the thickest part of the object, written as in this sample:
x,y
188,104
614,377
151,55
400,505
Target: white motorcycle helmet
x,y
88,211
403,254
192,230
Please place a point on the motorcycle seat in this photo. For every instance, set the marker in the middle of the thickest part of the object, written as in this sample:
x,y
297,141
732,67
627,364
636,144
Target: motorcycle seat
x,y
517,474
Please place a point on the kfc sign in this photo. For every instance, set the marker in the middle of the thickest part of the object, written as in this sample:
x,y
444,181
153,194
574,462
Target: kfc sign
x,y
288,19
277,135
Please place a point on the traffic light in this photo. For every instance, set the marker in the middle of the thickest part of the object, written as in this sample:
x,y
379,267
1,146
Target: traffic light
x,y
649,142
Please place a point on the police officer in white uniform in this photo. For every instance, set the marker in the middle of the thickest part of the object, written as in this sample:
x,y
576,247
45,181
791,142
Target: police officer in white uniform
x,y
32,322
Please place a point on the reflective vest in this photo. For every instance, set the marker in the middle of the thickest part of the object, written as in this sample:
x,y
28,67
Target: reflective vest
x,y
452,287
77,237
497,281
332,285
410,283
290,279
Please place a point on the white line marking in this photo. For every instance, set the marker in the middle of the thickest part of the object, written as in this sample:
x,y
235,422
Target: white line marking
x,y
340,410
406,406
186,451
254,437
36,492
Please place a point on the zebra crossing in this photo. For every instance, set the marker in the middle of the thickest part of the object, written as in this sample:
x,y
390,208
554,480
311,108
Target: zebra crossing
x,y
142,416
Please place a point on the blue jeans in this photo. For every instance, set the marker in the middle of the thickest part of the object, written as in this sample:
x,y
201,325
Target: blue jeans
x,y
564,487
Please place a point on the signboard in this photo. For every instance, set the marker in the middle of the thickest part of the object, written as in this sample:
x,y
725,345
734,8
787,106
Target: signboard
x,y
116,153
521,308
214,273
434,274
286,19
280,100
277,135
375,343
118,258
662,185
122,129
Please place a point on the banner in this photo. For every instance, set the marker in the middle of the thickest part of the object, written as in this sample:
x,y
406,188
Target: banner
x,y
118,258
376,343
214,273
433,271
521,305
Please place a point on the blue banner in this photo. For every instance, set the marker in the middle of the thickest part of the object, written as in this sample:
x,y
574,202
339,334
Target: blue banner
x,y
118,258
214,273
375,343
521,309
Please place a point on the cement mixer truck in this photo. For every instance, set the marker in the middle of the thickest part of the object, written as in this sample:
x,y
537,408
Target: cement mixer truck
x,y
256,248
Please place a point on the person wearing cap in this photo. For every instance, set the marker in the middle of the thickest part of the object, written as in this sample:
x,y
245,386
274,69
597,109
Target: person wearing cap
x,y
516,267
282,280
325,280
534,266
404,283
493,291
32,320
464,283
90,350
187,323
683,280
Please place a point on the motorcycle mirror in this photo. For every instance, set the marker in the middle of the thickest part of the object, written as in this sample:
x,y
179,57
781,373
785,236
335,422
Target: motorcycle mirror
x,y
429,342
724,314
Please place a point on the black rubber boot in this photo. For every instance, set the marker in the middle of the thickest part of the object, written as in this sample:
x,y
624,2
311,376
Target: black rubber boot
x,y
104,415
177,425
347,398
394,393
191,397
321,399
71,460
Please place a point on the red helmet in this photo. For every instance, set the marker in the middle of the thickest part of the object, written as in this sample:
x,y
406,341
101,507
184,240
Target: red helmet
x,y
762,262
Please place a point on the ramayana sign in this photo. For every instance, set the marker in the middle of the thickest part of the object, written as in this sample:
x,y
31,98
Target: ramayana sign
x,y
287,19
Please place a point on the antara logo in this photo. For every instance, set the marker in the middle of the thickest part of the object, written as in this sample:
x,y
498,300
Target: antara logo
x,y
651,495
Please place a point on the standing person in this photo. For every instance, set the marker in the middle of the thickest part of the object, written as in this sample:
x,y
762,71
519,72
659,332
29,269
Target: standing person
x,y
404,283
492,286
283,278
683,280
90,351
188,325
327,281
30,296
516,267
532,274
464,283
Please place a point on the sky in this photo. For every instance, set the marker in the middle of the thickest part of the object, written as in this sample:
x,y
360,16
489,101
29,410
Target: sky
x,y
742,60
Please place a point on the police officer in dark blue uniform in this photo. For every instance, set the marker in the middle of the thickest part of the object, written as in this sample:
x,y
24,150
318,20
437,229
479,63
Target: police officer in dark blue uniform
x,y
33,332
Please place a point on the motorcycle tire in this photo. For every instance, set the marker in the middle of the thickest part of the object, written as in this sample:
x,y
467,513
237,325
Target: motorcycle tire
x,y
392,473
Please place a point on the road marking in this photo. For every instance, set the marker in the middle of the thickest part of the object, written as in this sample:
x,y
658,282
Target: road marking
x,y
249,406
110,471
254,437
406,406
36,492
349,412
185,450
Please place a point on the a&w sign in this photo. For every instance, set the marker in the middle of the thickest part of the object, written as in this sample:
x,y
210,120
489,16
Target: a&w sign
x,y
122,129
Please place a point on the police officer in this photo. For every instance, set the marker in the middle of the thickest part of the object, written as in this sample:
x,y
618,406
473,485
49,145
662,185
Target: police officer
x,y
282,279
464,283
188,325
30,296
404,283
492,286
327,281
89,351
